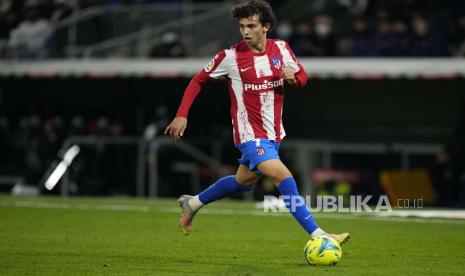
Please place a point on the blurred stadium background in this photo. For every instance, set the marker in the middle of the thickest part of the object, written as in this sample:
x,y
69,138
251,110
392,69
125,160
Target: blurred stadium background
x,y
384,111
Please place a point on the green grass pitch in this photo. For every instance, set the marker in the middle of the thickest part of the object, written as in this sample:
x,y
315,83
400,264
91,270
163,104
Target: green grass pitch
x,y
77,236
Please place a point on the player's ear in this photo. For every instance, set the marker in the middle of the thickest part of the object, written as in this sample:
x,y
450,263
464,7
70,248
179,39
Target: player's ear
x,y
266,27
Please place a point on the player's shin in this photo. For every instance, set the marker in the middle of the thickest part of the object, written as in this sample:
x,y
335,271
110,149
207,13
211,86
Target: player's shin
x,y
297,207
223,187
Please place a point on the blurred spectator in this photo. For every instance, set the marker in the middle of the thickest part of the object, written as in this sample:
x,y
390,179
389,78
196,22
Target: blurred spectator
x,y
30,39
169,46
386,43
324,40
301,40
362,41
316,40
426,41
284,29
402,37
456,32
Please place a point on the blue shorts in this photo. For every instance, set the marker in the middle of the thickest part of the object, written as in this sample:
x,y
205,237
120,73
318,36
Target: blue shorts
x,y
256,151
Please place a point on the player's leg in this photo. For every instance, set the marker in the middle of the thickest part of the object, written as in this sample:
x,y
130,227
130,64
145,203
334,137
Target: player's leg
x,y
246,177
244,180
284,181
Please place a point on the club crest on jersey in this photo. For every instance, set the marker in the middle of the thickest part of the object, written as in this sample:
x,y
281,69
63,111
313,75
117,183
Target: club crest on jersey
x,y
260,151
276,62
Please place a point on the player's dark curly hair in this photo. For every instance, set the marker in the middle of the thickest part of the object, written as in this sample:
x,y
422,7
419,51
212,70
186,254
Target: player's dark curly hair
x,y
252,7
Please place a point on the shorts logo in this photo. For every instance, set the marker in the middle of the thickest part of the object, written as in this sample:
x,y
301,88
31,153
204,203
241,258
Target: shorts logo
x,y
260,151
276,62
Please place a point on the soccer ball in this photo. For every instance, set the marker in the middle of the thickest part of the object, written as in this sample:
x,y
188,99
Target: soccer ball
x,y
322,250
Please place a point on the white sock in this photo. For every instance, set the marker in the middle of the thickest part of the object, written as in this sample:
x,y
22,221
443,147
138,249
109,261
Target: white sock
x,y
317,232
195,203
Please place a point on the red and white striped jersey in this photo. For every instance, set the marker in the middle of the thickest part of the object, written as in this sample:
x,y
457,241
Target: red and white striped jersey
x,y
255,87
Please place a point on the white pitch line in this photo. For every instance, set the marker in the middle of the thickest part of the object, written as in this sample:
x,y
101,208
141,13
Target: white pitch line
x,y
212,211
76,206
447,214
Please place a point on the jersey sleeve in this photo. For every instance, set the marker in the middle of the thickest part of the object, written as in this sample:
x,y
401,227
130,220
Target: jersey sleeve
x,y
290,61
217,67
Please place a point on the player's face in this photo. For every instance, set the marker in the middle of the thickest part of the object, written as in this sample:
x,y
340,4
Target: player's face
x,y
253,32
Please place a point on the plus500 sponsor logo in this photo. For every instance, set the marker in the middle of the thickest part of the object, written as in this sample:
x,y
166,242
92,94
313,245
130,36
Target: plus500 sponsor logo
x,y
263,86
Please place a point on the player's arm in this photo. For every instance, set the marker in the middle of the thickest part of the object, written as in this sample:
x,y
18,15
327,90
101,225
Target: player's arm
x,y
297,79
179,124
293,72
213,69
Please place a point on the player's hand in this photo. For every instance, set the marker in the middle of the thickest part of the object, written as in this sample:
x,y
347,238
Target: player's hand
x,y
288,75
176,128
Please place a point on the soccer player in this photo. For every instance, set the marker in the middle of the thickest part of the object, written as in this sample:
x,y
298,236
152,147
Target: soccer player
x,y
256,69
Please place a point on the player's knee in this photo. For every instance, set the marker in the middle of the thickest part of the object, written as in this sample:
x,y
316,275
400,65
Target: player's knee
x,y
278,177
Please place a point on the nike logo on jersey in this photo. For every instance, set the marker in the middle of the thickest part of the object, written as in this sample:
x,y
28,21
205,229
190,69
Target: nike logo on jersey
x,y
245,69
